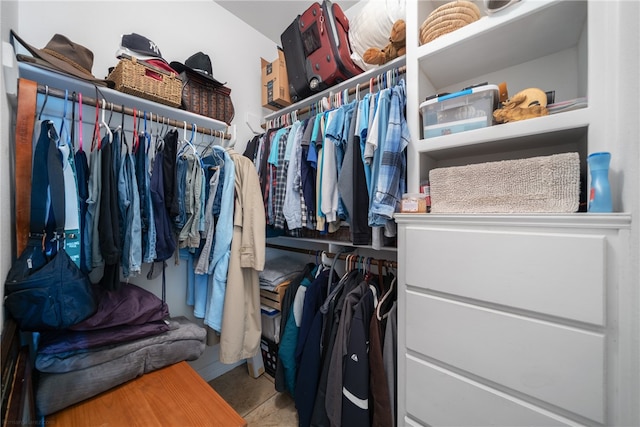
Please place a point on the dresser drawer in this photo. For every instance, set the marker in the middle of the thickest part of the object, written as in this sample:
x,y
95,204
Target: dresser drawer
x,y
561,365
437,397
555,274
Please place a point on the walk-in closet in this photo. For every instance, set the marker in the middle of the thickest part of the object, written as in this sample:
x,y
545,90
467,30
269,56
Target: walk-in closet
x,y
204,226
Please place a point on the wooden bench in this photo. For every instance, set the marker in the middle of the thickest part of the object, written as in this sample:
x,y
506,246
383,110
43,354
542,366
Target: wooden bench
x,y
172,396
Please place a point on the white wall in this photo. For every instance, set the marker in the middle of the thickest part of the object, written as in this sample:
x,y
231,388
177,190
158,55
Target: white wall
x,y
180,29
8,14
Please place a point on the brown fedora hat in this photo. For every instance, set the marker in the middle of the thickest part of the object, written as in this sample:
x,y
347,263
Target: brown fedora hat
x,y
63,55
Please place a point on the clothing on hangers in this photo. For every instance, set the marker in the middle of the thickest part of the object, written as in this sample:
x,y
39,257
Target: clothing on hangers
x,y
240,335
129,206
109,225
340,168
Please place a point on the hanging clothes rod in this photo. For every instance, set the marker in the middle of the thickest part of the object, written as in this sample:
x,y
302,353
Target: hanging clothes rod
x,y
369,84
342,256
58,93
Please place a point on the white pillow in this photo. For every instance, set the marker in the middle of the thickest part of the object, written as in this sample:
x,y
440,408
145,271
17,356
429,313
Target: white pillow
x,y
370,27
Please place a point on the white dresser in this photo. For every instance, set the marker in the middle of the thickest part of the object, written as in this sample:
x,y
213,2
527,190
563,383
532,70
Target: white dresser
x,y
515,320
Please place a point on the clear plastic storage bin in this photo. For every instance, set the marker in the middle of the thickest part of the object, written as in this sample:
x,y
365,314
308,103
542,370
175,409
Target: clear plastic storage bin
x,y
460,111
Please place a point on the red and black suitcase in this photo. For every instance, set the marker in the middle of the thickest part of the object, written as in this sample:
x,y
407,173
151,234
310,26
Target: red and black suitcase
x,y
317,51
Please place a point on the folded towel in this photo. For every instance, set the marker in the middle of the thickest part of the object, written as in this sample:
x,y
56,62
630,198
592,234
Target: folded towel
x,y
279,270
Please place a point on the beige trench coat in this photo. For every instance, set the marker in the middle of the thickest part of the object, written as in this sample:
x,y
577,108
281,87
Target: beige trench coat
x,y
241,324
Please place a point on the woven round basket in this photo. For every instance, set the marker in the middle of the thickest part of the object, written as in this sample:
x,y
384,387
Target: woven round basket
x,y
447,18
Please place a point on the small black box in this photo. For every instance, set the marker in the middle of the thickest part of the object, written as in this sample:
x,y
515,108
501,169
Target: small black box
x,y
269,355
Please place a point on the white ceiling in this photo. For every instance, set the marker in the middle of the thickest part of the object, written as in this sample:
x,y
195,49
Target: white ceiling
x,y
271,17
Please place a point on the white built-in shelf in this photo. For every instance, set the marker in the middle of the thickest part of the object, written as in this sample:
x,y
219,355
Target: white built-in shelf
x,y
551,130
524,31
291,241
621,220
64,82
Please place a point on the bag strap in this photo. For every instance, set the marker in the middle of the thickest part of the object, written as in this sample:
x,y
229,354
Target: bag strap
x,y
26,116
56,188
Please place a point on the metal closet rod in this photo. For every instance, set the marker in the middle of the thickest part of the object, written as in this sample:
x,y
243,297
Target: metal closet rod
x,y
343,256
374,81
92,102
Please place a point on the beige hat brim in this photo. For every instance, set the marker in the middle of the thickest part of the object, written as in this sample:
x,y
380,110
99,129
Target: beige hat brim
x,y
51,62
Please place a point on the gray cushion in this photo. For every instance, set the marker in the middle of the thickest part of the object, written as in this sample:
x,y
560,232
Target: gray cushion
x,y
74,378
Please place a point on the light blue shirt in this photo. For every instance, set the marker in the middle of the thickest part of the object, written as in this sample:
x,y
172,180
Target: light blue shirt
x,y
222,246
391,184
382,116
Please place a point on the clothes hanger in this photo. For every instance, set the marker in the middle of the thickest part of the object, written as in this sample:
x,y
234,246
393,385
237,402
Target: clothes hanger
x,y
322,264
72,126
380,275
210,144
80,148
164,127
62,140
110,114
158,134
216,154
384,299
152,125
138,125
46,98
156,128
104,124
119,128
134,130
147,134
96,141
183,141
159,143
140,135
124,145
201,143
349,272
152,145
187,143
192,143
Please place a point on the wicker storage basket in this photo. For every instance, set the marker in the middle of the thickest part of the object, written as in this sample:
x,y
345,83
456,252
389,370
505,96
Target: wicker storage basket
x,y
201,96
447,18
147,81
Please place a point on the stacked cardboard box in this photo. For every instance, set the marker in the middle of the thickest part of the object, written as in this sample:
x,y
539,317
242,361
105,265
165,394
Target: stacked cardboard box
x,y
275,84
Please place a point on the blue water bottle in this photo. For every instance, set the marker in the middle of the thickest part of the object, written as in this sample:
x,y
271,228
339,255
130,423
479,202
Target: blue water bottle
x,y
600,193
